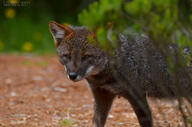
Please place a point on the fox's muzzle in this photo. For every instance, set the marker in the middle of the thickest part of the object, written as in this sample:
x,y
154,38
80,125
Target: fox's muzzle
x,y
73,75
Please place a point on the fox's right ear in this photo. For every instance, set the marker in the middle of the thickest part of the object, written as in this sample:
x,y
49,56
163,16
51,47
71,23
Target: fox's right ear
x,y
59,32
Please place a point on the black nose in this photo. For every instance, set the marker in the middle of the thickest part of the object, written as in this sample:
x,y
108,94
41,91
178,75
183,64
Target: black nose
x,y
72,75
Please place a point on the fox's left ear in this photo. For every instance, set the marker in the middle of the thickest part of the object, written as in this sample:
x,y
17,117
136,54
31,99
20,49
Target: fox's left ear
x,y
59,32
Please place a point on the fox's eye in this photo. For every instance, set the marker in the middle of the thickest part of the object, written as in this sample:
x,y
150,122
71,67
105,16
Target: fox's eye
x,y
86,57
67,56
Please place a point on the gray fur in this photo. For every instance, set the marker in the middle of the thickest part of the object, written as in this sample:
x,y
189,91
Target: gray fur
x,y
135,70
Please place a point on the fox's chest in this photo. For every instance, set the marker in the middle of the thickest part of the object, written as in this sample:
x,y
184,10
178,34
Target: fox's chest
x,y
101,79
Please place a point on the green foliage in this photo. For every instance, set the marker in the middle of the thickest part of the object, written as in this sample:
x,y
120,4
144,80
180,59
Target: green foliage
x,y
159,19
24,29
26,36
99,17
104,10
162,21
136,6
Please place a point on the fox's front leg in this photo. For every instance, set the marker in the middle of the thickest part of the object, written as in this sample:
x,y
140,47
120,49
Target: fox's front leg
x,y
103,101
141,108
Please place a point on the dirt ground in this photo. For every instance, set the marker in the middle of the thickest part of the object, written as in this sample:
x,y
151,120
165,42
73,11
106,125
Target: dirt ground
x,y
35,92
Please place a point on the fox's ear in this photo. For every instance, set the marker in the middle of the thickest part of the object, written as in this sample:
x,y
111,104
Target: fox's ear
x,y
59,32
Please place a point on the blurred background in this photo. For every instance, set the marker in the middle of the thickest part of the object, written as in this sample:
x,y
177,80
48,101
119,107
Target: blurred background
x,y
24,23
34,91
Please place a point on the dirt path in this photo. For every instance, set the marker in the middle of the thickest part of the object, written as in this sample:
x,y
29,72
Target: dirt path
x,y
34,92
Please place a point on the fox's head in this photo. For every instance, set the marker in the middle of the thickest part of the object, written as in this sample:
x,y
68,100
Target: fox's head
x,y
80,58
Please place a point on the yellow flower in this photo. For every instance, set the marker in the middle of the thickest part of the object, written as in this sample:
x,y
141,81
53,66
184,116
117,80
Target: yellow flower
x,y
1,45
27,46
13,1
10,13
37,36
65,24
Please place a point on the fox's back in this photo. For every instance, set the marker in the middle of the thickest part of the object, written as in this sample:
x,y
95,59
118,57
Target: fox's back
x,y
143,65
135,61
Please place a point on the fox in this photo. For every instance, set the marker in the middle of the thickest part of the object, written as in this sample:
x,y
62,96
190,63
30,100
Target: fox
x,y
135,71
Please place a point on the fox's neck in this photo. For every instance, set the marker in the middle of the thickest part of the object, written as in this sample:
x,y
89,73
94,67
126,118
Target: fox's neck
x,y
102,78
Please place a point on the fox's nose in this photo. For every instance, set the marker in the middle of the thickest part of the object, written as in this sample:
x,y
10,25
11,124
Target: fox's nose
x,y
72,75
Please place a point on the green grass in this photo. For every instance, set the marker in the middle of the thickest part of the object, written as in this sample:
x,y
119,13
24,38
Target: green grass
x,y
27,63
24,35
40,63
190,122
66,122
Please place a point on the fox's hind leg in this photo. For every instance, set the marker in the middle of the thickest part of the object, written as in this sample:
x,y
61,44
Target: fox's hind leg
x,y
102,105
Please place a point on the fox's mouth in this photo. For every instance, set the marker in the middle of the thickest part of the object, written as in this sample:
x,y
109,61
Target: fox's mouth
x,y
78,78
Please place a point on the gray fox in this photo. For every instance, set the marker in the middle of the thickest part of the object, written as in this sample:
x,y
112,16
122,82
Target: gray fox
x,y
134,71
